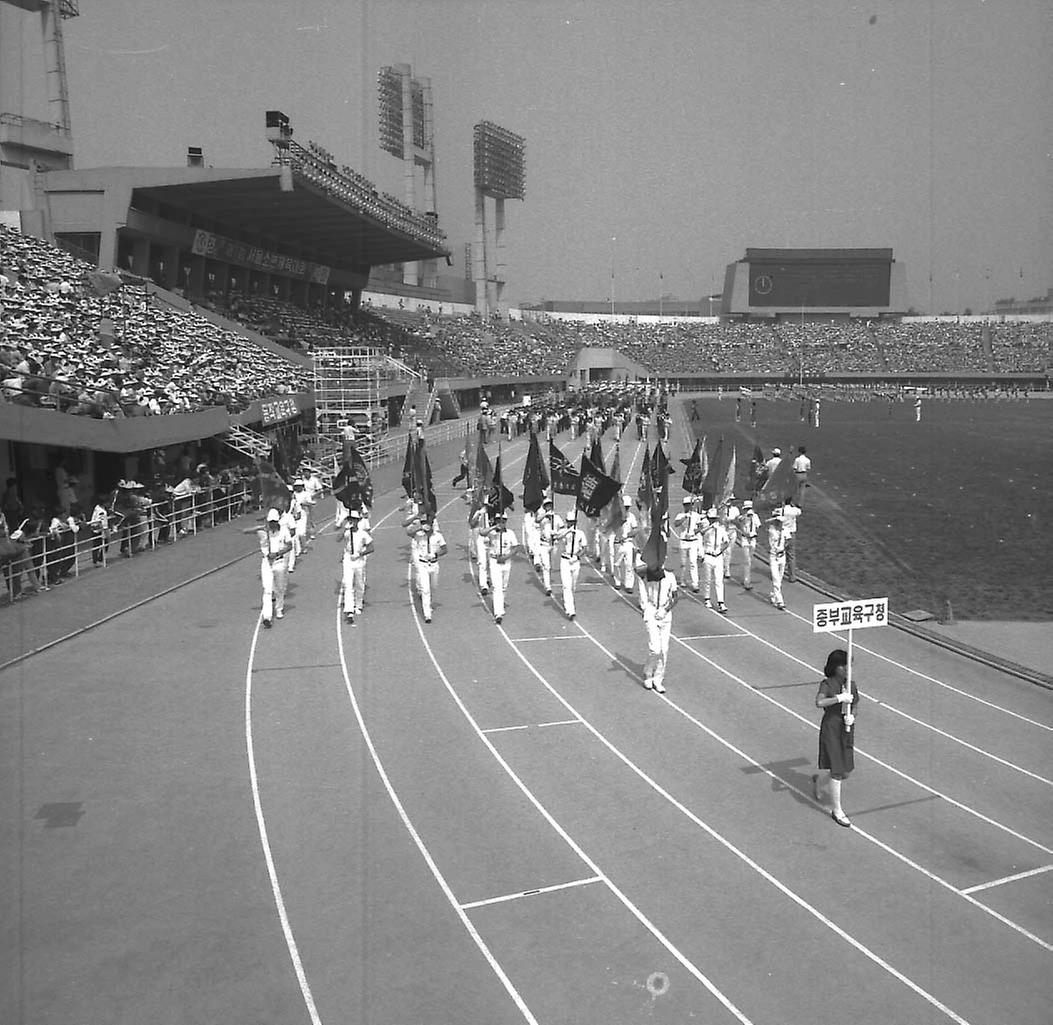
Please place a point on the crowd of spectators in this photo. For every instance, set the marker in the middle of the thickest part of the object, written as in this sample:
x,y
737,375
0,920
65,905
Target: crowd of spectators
x,y
65,346
316,165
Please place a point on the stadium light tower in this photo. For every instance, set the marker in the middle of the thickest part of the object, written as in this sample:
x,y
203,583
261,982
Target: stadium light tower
x,y
500,173
407,131
27,141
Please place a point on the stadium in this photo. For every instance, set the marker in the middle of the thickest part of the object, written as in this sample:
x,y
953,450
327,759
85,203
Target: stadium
x,y
356,814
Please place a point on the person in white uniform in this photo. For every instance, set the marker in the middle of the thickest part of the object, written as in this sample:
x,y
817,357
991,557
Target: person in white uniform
x,y
730,518
550,527
275,544
572,542
687,525
714,544
480,523
625,567
427,546
749,526
777,556
358,544
659,593
501,543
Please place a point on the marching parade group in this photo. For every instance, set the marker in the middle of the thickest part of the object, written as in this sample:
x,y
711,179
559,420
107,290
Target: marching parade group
x,y
708,537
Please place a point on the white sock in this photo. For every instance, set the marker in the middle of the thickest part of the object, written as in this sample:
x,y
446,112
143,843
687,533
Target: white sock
x,y
835,794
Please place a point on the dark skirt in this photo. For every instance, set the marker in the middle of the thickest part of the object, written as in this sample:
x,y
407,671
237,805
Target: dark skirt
x,y
836,745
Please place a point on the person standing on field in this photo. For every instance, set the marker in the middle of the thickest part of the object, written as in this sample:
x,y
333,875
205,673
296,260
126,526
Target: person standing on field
x,y
838,701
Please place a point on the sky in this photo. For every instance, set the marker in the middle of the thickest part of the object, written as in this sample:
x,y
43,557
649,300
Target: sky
x,y
662,137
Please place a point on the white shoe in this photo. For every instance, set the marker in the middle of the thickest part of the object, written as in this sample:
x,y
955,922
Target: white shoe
x,y
658,687
279,615
647,684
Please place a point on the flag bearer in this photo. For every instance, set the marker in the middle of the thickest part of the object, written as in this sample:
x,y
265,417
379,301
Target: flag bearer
x,y
686,526
730,519
777,556
480,523
275,544
714,544
572,542
658,594
358,544
427,546
749,525
500,544
624,570
550,527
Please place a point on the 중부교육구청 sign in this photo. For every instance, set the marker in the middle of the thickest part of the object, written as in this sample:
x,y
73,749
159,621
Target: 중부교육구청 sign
x,y
847,615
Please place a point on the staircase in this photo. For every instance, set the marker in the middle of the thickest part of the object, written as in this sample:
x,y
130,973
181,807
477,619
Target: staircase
x,y
248,442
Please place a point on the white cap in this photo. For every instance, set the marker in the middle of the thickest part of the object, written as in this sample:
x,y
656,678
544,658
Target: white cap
x,y
747,504
688,499
776,451
273,516
354,514
572,514
626,501
712,513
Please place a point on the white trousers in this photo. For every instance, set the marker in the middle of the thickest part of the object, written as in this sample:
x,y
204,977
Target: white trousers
x,y
778,568
713,577
354,583
568,577
689,553
274,580
544,560
426,578
732,539
625,567
658,629
499,573
483,560
747,565
608,552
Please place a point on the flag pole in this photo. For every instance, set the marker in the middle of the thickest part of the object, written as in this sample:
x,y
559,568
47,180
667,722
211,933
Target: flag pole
x,y
847,706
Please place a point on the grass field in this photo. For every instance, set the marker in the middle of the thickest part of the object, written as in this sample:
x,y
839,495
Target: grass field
x,y
958,507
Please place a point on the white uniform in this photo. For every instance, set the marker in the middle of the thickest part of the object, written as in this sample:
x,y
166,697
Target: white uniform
x,y
480,524
572,543
625,566
714,542
425,548
273,574
530,534
288,522
356,541
500,543
749,525
687,526
658,597
777,562
731,524
550,526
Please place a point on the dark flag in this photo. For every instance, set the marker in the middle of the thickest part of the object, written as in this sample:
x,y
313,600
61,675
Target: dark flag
x,y
407,467
782,483
715,477
484,475
596,455
693,470
660,471
616,465
534,482
564,476
274,492
499,498
727,485
423,492
643,495
654,550
595,488
352,485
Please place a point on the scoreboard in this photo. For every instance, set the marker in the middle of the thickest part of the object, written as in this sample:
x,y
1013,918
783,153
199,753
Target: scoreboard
x,y
784,280
832,284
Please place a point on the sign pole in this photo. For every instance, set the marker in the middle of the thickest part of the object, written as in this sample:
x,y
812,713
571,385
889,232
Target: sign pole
x,y
847,707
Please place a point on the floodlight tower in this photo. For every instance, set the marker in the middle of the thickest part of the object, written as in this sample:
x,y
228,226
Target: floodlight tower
x,y
27,141
500,173
407,131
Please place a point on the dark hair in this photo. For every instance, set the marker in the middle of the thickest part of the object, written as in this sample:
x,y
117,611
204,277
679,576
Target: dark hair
x,y
654,573
837,657
801,449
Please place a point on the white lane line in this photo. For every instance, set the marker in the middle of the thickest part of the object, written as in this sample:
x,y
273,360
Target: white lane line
x,y
868,836
740,854
532,893
560,722
1008,879
710,637
279,903
507,729
532,726
892,708
559,637
932,679
425,853
568,839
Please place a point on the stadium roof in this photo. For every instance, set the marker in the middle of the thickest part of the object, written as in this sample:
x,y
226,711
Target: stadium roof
x,y
323,228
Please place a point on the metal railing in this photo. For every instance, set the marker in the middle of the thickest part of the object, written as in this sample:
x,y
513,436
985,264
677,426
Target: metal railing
x,y
55,556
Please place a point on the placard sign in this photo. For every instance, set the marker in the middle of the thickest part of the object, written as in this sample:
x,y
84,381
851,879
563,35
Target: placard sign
x,y
846,615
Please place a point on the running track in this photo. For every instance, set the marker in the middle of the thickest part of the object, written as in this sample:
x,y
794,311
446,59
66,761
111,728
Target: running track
x,y
395,822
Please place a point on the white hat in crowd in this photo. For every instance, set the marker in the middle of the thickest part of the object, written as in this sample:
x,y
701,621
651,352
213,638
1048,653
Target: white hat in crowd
x,y
273,516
